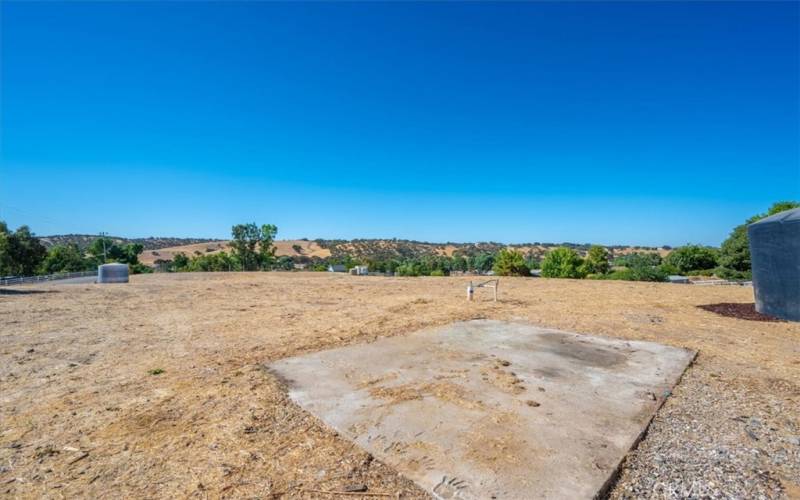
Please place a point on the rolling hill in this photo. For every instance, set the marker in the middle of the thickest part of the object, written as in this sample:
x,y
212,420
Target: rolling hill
x,y
165,248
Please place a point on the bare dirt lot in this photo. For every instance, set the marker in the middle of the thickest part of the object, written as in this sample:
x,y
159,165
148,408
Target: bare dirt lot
x,y
157,388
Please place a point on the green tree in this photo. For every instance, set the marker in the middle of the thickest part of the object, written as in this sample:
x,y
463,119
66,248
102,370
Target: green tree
x,y
131,252
103,250
21,253
692,258
510,262
638,259
65,259
267,245
459,263
408,269
735,250
180,262
596,261
285,263
482,262
246,238
253,246
562,262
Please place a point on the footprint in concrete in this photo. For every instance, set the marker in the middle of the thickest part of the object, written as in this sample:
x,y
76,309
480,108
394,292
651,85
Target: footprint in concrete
x,y
450,487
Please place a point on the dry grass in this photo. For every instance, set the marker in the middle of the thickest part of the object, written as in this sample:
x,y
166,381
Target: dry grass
x,y
156,388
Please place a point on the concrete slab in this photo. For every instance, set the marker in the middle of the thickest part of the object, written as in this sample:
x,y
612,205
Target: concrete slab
x,y
490,409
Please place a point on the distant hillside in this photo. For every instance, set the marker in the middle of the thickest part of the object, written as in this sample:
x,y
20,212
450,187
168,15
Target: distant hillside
x,y
151,243
374,249
392,248
292,248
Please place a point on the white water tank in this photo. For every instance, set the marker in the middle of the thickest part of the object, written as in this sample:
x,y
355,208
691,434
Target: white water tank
x,y
112,273
775,260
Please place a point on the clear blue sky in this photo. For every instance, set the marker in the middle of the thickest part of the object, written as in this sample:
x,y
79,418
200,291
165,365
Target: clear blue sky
x,y
642,123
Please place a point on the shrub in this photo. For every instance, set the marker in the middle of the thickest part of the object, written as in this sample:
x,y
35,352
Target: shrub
x,y
139,268
65,258
562,262
437,272
669,269
285,263
408,269
702,272
596,261
638,258
732,274
647,273
693,258
180,262
620,274
481,262
510,262
637,273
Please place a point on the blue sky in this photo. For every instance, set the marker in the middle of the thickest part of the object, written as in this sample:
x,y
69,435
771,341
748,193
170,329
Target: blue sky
x,y
632,122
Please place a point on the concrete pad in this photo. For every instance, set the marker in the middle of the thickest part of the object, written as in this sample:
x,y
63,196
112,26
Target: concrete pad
x,y
490,409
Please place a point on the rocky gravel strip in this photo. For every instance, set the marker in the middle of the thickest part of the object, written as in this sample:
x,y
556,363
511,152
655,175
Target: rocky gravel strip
x,y
719,436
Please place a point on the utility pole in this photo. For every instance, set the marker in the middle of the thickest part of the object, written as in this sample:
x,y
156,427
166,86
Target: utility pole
x,y
103,239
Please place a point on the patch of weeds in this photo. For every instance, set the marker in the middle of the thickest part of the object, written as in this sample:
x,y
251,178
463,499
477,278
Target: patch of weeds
x,y
156,371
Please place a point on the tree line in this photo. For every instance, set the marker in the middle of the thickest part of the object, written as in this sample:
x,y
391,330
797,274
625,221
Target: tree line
x,y
23,254
253,249
730,261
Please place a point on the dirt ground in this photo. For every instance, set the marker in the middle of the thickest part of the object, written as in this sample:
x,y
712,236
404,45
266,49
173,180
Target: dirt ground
x,y
157,388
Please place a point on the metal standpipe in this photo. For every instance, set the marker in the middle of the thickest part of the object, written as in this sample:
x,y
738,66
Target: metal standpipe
x,y
486,284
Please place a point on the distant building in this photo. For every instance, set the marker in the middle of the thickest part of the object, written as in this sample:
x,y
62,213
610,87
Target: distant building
x,y
360,270
674,278
337,268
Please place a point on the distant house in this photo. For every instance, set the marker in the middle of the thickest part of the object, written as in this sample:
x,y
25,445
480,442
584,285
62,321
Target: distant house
x,y
360,271
337,268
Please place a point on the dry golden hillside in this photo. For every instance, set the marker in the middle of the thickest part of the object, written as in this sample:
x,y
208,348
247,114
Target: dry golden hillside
x,y
284,247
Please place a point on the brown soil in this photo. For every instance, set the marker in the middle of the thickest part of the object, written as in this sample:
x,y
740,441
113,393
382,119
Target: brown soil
x,y
84,413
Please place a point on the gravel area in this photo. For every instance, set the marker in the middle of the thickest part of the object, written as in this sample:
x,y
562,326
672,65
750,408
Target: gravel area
x,y
719,436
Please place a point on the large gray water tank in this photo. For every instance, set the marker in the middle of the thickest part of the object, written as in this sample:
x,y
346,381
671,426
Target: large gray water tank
x,y
775,258
112,273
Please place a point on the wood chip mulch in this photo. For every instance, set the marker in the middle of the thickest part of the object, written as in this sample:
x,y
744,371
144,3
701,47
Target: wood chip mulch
x,y
739,311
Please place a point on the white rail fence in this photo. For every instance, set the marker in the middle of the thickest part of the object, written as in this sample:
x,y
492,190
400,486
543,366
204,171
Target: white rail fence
x,y
22,280
721,283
